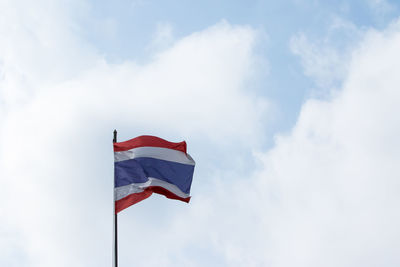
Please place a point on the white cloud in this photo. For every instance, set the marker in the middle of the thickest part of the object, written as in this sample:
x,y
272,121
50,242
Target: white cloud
x,y
324,65
328,192
337,171
380,7
60,102
325,60
163,37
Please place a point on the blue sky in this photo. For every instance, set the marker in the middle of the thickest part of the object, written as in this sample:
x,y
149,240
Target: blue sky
x,y
288,108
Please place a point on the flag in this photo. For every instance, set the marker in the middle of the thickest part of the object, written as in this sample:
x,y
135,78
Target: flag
x,y
148,164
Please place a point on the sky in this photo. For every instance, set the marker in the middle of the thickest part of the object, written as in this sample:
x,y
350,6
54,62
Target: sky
x,y
289,109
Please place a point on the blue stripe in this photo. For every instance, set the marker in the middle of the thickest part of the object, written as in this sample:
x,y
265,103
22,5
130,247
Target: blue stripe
x,y
139,169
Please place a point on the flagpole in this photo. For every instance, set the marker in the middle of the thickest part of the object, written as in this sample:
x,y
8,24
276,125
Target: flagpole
x,y
115,217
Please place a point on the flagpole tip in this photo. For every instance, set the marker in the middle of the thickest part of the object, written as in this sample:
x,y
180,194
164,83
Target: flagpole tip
x,y
115,136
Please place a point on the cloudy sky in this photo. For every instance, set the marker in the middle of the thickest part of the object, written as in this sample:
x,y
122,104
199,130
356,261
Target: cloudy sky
x,y
290,109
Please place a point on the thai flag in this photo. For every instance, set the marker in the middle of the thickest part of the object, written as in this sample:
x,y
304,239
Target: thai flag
x,y
148,164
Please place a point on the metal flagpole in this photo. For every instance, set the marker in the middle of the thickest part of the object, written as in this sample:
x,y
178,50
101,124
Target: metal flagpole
x,y
115,217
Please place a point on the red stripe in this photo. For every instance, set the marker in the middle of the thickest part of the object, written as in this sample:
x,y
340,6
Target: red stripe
x,y
127,201
148,140
162,191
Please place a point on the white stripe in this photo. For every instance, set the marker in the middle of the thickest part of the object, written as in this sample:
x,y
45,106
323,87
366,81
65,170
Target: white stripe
x,y
126,190
154,152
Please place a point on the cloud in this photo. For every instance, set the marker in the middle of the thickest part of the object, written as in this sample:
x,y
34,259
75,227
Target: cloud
x,y
336,171
381,7
327,194
325,60
60,102
163,37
